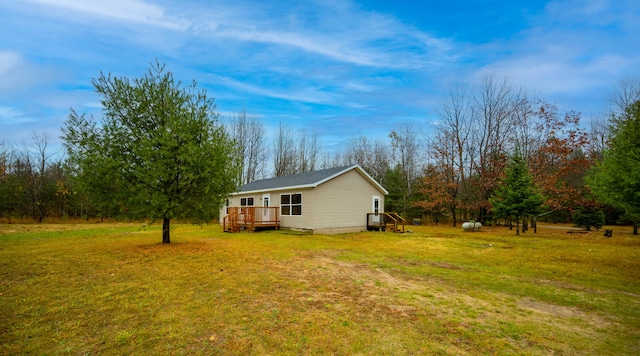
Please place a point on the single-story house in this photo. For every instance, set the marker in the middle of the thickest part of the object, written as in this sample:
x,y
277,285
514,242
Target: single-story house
x,y
333,200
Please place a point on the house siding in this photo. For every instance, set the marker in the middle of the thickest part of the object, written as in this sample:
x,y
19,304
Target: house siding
x,y
342,203
297,222
338,205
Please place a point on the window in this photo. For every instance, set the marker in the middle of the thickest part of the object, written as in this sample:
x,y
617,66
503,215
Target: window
x,y
291,204
246,201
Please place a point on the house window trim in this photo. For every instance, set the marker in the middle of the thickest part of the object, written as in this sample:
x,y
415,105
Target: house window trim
x,y
247,201
290,205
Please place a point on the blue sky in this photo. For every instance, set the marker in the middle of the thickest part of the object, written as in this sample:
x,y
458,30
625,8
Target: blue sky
x,y
337,68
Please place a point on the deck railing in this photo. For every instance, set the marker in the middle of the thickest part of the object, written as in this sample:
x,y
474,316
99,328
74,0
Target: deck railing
x,y
250,217
385,222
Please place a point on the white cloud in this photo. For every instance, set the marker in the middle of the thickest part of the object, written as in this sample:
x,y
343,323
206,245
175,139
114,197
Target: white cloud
x,y
9,60
123,10
359,86
328,48
12,116
567,53
306,95
18,74
337,31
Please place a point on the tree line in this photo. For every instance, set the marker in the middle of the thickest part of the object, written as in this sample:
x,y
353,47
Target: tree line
x,y
451,174
448,175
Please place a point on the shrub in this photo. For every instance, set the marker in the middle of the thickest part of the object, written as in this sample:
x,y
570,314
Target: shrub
x,y
586,217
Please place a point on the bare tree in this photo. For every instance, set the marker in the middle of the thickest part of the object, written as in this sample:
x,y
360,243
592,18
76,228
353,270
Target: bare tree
x,y
598,138
359,151
332,159
528,132
453,144
372,156
626,92
405,153
308,152
624,95
444,148
5,160
495,109
380,161
284,155
248,134
34,178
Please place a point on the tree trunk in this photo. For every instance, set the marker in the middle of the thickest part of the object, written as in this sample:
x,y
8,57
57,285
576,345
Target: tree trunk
x,y
453,216
166,229
517,225
635,229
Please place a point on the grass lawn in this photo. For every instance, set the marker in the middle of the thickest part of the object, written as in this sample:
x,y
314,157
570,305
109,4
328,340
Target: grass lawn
x,y
114,289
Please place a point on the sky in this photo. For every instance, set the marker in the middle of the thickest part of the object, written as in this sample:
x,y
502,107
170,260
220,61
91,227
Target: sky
x,y
339,69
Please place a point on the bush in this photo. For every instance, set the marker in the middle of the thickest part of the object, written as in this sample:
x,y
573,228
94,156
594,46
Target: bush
x,y
587,217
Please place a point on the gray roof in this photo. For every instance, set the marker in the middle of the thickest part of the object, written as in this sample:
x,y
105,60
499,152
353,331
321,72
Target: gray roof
x,y
303,180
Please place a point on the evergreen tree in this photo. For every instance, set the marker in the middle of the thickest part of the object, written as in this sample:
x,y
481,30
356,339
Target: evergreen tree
x,y
616,179
158,153
516,196
587,217
393,202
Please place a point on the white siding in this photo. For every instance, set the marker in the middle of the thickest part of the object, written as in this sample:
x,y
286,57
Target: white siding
x,y
338,205
297,222
343,203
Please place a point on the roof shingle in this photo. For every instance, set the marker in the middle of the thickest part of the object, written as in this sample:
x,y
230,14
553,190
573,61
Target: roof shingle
x,y
294,180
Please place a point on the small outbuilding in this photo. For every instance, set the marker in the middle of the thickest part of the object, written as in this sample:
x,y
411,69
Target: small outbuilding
x,y
334,200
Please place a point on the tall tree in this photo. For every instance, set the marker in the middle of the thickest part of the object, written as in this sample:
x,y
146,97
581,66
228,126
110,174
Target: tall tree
x,y
560,163
404,149
43,176
516,196
624,95
443,150
372,156
295,152
495,109
247,133
29,180
308,152
621,98
598,138
452,147
157,153
284,155
10,186
435,196
616,179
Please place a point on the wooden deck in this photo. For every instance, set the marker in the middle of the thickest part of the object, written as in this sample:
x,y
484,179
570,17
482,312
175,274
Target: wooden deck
x,y
392,222
251,218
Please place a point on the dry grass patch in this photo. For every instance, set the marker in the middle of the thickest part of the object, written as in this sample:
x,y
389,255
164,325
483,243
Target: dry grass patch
x,y
114,289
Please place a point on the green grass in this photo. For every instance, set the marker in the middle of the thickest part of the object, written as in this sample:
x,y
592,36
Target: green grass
x,y
114,289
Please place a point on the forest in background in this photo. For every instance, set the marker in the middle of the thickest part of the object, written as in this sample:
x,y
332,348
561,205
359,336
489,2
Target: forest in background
x,y
446,176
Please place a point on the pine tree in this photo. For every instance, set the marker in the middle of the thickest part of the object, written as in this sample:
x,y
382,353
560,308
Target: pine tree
x,y
587,217
616,180
158,153
516,196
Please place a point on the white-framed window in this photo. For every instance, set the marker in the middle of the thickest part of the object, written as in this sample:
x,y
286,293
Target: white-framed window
x,y
376,204
291,204
246,201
